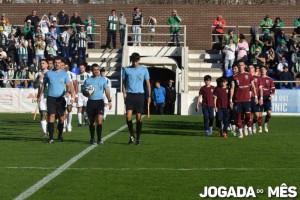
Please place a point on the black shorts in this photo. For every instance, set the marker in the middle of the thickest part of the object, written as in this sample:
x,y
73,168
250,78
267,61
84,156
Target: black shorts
x,y
56,105
267,104
95,108
135,102
242,107
255,107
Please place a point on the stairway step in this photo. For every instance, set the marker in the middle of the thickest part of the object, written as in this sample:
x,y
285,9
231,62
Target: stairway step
x,y
205,56
195,66
204,51
104,64
203,73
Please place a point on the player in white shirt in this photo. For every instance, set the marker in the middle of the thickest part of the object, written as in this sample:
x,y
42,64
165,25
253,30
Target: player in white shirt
x,y
38,82
105,98
80,99
69,115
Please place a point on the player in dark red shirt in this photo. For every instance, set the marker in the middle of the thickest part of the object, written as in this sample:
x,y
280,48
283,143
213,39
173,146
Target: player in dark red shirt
x,y
256,109
268,94
207,99
240,91
221,102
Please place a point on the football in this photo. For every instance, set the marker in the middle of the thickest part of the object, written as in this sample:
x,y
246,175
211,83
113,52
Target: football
x,y
88,90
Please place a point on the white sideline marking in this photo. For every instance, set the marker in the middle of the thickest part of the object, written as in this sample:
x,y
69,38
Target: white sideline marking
x,y
157,169
62,168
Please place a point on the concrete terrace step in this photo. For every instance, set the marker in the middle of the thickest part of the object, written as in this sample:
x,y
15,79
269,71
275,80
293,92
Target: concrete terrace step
x,y
105,59
195,66
199,84
199,60
200,74
205,56
204,51
105,64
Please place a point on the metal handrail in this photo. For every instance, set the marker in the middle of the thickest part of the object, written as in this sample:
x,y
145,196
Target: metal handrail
x,y
155,34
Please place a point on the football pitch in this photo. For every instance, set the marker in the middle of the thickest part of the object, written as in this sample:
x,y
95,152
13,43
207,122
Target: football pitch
x,y
175,160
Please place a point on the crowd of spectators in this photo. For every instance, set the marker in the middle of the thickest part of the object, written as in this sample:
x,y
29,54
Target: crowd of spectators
x,y
270,47
23,47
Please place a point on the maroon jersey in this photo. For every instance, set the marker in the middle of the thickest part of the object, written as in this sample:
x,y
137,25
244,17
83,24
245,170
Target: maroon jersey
x,y
222,97
207,95
268,86
242,83
258,84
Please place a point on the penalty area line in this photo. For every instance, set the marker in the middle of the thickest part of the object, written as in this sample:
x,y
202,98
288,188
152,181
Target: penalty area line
x,y
63,167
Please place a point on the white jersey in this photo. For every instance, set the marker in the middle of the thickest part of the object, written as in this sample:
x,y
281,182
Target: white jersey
x,y
72,76
36,78
80,80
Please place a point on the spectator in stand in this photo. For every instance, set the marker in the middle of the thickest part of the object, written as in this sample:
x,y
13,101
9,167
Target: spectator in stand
x,y
122,26
137,23
258,59
33,18
45,24
151,29
282,64
63,20
297,25
295,57
90,24
170,98
22,45
282,50
28,30
51,17
270,59
76,20
38,33
51,49
3,38
159,96
112,22
242,48
266,24
174,21
229,51
219,24
22,73
232,36
81,43
279,37
55,26
285,75
7,28
3,18
293,42
65,43
296,73
256,45
277,27
39,46
52,35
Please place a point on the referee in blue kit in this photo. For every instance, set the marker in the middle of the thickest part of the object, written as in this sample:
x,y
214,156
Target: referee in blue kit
x,y
57,81
95,104
134,77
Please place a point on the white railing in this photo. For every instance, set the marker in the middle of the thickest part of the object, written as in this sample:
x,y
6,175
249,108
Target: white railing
x,y
161,35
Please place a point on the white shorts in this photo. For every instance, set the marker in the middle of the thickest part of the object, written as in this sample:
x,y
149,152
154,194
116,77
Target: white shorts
x,y
68,101
82,101
43,104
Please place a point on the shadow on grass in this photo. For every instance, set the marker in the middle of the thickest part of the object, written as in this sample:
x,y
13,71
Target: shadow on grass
x,y
183,128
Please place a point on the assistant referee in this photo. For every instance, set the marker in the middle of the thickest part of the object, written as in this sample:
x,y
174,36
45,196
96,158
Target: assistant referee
x,y
56,103
134,77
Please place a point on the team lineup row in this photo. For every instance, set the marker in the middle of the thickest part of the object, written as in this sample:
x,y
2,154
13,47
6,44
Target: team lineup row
x,y
238,99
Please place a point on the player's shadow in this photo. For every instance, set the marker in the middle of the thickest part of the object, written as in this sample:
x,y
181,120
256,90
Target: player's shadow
x,y
173,128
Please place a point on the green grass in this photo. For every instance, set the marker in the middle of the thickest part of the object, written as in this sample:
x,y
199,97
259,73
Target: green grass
x,y
175,160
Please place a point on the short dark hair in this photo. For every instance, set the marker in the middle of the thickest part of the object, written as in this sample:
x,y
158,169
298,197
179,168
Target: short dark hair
x,y
207,78
134,57
102,69
95,65
50,59
57,58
